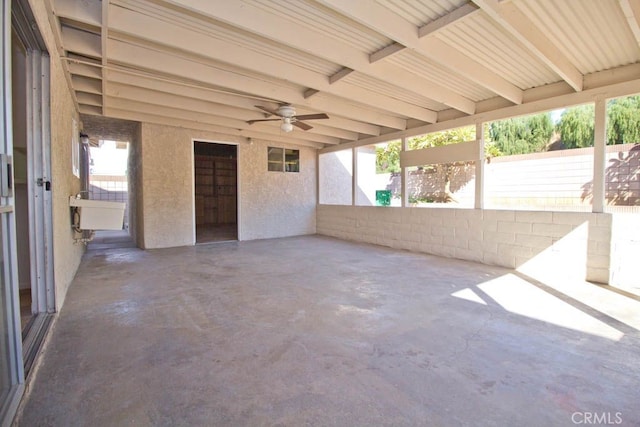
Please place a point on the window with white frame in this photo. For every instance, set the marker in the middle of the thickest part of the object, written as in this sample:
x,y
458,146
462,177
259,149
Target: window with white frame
x,y
283,160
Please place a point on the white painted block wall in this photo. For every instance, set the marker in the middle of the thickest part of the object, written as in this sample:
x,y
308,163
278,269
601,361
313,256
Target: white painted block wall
x,y
561,243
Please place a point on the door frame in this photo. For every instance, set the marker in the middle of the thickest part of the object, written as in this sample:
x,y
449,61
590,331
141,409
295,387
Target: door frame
x,y
39,192
193,183
8,245
38,143
38,174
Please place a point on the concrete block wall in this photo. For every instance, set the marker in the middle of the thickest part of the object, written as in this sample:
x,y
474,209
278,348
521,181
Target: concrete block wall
x,y
537,242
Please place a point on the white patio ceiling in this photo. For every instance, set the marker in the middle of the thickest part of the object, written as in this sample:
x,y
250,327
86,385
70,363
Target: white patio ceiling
x,y
379,69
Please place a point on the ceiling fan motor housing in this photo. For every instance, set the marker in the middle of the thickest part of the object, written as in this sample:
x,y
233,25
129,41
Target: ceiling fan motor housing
x,y
286,111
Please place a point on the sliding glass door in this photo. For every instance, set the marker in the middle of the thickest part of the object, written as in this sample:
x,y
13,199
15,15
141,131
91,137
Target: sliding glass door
x,y
10,362
11,367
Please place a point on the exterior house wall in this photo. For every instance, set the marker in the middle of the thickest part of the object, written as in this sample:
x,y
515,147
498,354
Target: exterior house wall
x,y
272,204
566,244
276,204
336,177
67,255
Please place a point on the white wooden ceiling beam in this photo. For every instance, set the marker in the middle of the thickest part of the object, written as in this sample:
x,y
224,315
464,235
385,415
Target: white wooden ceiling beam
x,y
512,19
631,11
164,62
81,42
340,75
104,35
470,69
133,93
84,84
377,17
290,33
89,99
85,70
237,135
437,25
54,22
124,79
189,40
386,52
539,104
90,109
85,11
310,92
179,113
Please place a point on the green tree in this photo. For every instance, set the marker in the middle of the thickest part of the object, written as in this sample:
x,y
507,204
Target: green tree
x,y
388,157
623,120
521,135
576,126
438,139
623,123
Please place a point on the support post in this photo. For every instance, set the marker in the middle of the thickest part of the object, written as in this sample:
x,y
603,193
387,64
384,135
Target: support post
x,y
404,177
354,175
599,155
479,196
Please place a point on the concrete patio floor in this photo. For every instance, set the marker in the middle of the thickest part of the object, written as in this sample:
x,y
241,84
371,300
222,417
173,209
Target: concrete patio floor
x,y
318,331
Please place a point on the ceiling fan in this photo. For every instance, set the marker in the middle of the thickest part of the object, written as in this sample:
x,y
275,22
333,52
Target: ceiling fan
x,y
287,115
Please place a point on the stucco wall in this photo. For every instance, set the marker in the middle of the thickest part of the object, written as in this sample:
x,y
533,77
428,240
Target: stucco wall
x,y
567,244
272,204
167,186
336,172
67,255
276,204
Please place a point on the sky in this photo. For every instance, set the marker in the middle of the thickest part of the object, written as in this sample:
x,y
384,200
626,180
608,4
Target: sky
x,y
108,160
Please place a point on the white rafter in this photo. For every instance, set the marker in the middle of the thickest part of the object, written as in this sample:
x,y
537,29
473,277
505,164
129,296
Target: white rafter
x,y
207,64
181,37
122,79
187,114
373,15
432,28
290,33
520,26
631,10
148,59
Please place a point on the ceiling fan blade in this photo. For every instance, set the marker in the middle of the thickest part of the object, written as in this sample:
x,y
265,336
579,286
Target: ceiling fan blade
x,y
301,125
263,120
317,116
267,110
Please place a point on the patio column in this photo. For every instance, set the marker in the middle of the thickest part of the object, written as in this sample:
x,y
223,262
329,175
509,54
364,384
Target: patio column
x,y
599,155
404,176
479,196
354,175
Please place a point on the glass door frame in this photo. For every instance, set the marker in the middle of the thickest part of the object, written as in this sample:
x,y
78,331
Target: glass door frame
x,y
9,278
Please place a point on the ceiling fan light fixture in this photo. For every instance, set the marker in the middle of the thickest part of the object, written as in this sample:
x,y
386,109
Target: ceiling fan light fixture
x,y
286,125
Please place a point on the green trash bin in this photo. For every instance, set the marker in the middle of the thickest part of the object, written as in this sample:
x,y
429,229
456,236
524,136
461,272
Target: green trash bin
x,y
383,197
